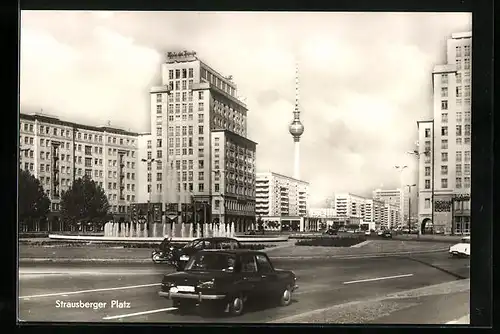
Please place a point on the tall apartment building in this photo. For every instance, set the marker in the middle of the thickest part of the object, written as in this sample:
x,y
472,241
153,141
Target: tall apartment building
x,y
56,152
444,144
282,199
349,207
394,197
372,213
390,217
193,102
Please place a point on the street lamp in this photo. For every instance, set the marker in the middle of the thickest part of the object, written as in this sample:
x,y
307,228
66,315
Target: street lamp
x,y
400,169
150,191
409,205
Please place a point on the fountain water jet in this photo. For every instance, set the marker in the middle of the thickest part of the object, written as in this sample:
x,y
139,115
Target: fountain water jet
x,y
191,231
232,230
182,230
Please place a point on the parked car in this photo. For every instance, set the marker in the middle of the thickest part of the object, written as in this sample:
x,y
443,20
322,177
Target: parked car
x,y
330,231
462,249
179,256
385,234
226,280
368,232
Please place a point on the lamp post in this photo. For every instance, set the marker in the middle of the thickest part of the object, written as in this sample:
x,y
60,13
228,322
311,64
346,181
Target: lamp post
x,y
150,161
409,205
400,169
218,172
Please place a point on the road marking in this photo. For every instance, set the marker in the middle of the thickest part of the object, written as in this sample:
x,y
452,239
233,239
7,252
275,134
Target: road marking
x,y
140,313
378,279
93,290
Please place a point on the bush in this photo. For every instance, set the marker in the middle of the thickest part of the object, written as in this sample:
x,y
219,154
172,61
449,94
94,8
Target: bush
x,y
331,241
31,235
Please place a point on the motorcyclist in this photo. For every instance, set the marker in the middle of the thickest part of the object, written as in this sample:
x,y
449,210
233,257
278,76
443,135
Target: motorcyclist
x,y
164,246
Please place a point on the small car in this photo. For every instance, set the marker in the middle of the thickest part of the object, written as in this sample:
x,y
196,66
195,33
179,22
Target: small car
x,y
461,249
386,234
368,232
225,280
330,231
180,256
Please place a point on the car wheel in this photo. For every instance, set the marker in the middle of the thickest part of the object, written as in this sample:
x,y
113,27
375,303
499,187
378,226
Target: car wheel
x,y
182,307
286,296
236,306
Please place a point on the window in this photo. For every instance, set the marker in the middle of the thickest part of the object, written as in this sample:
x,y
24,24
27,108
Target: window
x,y
466,63
458,51
184,73
171,74
444,105
459,91
263,264
200,187
427,171
444,144
444,78
444,131
200,106
158,98
88,150
444,170
177,73
459,116
427,133
158,176
459,130
427,203
459,141
467,169
444,183
444,156
158,142
200,118
427,184
459,156
467,91
158,109
467,130
467,140
201,176
190,73
444,118
444,91
200,129
458,182
149,155
467,182
200,164
458,77
458,62
467,156
248,264
200,95
159,154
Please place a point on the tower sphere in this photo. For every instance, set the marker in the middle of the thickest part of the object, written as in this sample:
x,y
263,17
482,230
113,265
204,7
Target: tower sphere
x,y
296,128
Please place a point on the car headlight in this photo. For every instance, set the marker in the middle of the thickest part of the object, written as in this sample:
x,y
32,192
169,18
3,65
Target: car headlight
x,y
167,285
184,258
207,285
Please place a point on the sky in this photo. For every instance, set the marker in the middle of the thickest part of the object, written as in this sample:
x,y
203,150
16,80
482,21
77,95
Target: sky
x,y
365,80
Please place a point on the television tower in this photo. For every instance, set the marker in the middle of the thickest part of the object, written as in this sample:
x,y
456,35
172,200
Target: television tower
x,y
296,128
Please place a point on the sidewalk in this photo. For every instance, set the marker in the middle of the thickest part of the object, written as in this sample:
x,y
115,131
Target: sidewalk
x,y
465,320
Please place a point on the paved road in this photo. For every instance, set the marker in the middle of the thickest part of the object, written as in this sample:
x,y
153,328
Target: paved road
x,y
323,284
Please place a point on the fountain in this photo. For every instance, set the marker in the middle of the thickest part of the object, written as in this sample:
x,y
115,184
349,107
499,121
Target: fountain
x,y
205,230
182,230
191,232
232,230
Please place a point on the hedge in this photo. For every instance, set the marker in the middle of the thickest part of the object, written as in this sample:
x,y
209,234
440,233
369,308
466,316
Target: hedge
x,y
331,242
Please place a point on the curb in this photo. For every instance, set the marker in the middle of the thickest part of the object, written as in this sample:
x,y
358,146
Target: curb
x,y
342,257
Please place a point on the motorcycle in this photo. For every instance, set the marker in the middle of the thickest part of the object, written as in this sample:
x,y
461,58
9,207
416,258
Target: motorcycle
x,y
165,254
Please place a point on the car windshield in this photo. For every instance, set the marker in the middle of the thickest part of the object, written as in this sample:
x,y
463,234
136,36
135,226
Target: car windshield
x,y
211,262
466,241
192,244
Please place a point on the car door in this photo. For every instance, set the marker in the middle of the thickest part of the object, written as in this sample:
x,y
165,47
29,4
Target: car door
x,y
268,277
251,280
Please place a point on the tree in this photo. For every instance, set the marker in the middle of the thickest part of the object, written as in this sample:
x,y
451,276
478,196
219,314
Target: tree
x,y
85,202
34,203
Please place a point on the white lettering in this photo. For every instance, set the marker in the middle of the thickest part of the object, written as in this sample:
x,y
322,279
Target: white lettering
x,y
120,304
80,305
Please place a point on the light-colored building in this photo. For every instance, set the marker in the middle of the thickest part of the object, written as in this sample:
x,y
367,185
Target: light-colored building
x,y
56,152
193,101
322,213
445,144
282,200
372,213
349,208
394,197
390,216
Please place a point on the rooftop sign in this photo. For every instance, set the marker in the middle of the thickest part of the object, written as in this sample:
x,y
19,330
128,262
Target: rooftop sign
x,y
181,56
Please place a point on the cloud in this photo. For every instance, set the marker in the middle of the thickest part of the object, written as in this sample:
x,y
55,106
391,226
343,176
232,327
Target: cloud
x,y
364,79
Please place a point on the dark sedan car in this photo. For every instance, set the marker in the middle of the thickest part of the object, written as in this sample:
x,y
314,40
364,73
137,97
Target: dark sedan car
x,y
226,280
181,255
